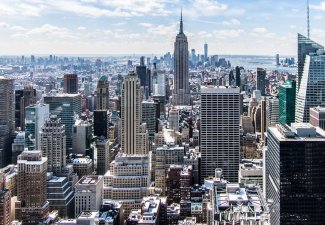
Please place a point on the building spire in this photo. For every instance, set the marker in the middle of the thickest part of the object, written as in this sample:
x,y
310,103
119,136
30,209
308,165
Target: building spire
x,y
181,23
308,21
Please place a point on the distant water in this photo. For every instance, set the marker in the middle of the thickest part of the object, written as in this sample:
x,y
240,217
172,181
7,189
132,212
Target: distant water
x,y
252,62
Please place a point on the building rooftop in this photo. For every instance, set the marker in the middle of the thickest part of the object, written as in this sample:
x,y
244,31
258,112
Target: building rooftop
x,y
89,180
298,132
81,161
233,199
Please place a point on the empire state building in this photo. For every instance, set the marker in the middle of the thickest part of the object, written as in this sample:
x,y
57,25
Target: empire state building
x,y
181,93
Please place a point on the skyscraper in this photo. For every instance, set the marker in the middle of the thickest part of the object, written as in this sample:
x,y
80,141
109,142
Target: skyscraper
x,y
102,101
312,86
272,112
294,174
131,114
70,84
277,60
149,116
5,202
305,47
7,119
23,98
205,52
32,205
35,116
260,80
220,138
53,144
66,107
287,102
181,93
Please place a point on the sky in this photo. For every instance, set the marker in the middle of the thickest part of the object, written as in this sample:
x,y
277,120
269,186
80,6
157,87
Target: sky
x,y
236,27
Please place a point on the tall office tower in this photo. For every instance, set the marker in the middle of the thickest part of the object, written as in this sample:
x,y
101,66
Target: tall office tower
x,y
141,71
131,115
165,156
149,116
101,123
262,106
181,93
88,194
128,180
32,205
260,80
277,60
173,119
102,91
82,136
220,138
205,52
193,57
238,79
23,98
7,119
17,147
5,202
35,116
312,86
103,155
272,112
305,47
70,84
317,117
294,174
53,146
287,102
67,107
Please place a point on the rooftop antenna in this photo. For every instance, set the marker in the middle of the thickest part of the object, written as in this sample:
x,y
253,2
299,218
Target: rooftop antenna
x,y
308,21
181,22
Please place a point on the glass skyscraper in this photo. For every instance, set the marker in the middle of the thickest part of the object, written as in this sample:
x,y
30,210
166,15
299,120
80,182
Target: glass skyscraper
x,y
305,46
287,102
311,92
294,173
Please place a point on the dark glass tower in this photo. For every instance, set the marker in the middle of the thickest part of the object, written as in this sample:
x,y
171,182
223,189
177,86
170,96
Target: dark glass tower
x,y
181,93
287,102
260,80
295,168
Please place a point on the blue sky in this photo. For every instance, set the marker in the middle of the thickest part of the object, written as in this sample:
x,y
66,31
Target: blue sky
x,y
260,27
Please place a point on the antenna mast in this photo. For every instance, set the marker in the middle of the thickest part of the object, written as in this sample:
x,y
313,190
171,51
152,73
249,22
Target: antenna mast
x,y
308,21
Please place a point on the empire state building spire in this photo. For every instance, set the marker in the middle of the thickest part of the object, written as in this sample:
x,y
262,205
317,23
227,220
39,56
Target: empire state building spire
x,y
181,92
181,23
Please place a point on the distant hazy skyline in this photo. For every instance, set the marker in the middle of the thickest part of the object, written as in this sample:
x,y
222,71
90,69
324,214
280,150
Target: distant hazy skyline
x,y
259,27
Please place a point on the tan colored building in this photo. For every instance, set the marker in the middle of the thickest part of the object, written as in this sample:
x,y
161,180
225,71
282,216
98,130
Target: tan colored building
x,y
165,156
32,205
53,144
132,134
128,180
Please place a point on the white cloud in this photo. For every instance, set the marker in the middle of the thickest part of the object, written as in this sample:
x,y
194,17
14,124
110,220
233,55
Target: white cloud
x,y
4,25
17,28
293,26
321,6
232,33
21,8
146,24
48,30
81,28
231,22
260,30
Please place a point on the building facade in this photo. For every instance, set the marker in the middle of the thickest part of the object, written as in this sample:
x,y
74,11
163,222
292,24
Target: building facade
x,y
293,172
220,126
181,93
287,102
